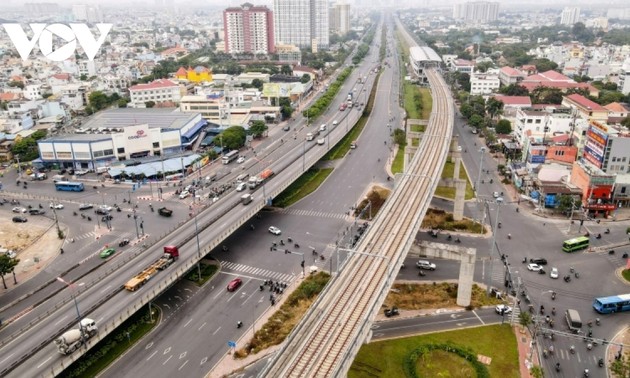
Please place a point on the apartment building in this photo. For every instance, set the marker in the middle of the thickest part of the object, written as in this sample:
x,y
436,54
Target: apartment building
x,y
248,28
509,75
158,91
303,23
340,18
483,83
476,11
586,108
570,16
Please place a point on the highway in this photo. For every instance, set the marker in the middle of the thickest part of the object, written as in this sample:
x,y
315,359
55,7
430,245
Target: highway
x,y
100,295
325,342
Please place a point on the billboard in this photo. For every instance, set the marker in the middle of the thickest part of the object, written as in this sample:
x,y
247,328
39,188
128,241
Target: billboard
x,y
276,89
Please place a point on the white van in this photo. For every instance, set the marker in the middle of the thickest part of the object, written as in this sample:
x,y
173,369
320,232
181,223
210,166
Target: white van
x,y
322,127
101,170
242,178
57,178
310,136
241,186
246,198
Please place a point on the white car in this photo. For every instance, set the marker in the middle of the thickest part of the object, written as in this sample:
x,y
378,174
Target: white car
x,y
184,194
534,267
322,127
241,186
275,230
57,206
554,273
424,264
240,160
335,123
505,309
105,207
495,194
19,210
321,141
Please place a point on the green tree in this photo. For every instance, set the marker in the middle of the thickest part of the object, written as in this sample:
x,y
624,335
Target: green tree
x,y
305,78
514,90
463,79
26,149
494,107
466,110
98,100
149,104
524,319
399,137
545,64
626,122
286,70
484,66
257,128
257,83
565,203
620,367
476,121
122,103
18,84
39,134
286,111
7,265
536,371
83,77
233,137
503,127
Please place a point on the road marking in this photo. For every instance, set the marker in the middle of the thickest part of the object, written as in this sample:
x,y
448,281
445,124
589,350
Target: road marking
x,y
216,296
149,345
482,322
182,355
40,365
61,320
187,323
166,305
215,332
152,354
99,320
169,357
204,360
199,329
9,356
184,364
106,288
167,350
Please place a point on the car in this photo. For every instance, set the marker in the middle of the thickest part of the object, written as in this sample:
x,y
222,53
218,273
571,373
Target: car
x,y
503,309
81,172
184,194
20,219
335,123
322,127
107,252
36,212
309,136
240,160
286,128
234,284
538,260
321,141
534,267
100,211
19,210
275,230
241,186
554,273
353,145
57,206
105,207
495,194
85,206
424,264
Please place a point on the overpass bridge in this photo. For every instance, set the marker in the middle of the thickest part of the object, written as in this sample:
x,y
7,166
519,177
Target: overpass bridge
x,y
325,343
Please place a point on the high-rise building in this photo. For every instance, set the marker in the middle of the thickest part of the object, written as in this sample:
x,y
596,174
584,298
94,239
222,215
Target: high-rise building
x,y
477,11
89,13
38,9
570,15
248,29
340,18
302,23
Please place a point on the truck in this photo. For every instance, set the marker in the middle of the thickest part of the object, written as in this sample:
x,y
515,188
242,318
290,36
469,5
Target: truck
x,y
573,320
165,212
254,181
72,339
170,255
246,199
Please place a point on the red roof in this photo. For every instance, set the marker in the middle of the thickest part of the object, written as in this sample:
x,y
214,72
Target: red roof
x,y
549,76
157,84
515,100
174,50
9,96
464,62
511,71
62,76
181,71
585,102
531,85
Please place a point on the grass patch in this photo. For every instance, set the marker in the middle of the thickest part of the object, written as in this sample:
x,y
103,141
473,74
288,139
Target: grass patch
x,y
427,102
436,218
281,323
398,165
377,198
411,95
303,186
207,271
440,363
447,172
113,345
415,142
437,295
626,274
386,358
418,128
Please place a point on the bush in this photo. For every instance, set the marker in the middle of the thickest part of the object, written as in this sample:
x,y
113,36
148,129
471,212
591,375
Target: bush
x,y
410,362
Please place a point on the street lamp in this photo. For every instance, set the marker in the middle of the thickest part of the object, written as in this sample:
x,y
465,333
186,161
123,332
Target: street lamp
x,y
74,298
198,248
482,150
495,229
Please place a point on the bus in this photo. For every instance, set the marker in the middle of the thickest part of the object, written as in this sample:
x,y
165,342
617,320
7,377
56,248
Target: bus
x,y
69,186
615,303
575,244
229,157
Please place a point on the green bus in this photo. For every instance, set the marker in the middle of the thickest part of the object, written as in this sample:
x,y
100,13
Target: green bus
x,y
575,244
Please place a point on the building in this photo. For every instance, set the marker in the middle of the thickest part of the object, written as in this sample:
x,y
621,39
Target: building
x,y
340,18
248,29
607,148
122,134
586,108
553,79
509,75
476,11
197,75
483,83
540,127
303,23
288,54
463,66
624,77
514,102
570,16
421,57
597,188
88,13
158,91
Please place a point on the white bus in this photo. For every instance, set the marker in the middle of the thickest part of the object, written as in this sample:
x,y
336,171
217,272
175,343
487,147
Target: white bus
x,y
229,157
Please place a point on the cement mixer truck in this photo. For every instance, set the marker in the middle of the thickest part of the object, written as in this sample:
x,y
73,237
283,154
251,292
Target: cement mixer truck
x,y
72,339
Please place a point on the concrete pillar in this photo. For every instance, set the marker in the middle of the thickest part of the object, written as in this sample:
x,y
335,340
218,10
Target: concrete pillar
x,y
466,273
460,198
456,156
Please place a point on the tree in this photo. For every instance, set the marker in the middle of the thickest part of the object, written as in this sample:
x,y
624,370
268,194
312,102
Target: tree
x,y
484,66
18,84
286,111
257,128
83,77
494,107
626,122
7,265
399,137
545,64
565,203
122,103
98,100
233,137
475,121
149,104
503,127
621,367
524,319
536,371
514,90
286,70
305,78
25,148
257,83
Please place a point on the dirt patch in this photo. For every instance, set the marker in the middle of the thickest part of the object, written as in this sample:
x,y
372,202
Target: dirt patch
x,y
440,219
376,197
18,236
436,295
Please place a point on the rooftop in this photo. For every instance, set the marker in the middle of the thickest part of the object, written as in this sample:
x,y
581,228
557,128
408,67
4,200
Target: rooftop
x,y
515,100
156,118
511,71
424,54
157,84
585,102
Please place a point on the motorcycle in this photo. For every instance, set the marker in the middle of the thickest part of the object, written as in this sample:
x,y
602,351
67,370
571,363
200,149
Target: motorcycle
x,y
123,242
89,218
296,245
239,324
600,362
421,273
607,231
599,236
558,366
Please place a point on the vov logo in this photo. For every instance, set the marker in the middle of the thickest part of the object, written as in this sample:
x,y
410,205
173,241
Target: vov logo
x,y
43,34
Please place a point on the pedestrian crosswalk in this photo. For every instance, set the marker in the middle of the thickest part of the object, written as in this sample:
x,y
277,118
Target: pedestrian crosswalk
x,y
90,234
313,213
262,273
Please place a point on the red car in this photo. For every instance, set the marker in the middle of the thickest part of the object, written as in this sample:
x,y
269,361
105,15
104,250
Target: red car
x,y
234,284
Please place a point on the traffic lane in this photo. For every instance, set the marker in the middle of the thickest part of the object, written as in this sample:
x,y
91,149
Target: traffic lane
x,y
434,323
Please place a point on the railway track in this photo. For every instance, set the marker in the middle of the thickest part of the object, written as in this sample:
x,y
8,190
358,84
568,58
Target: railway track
x,y
332,331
